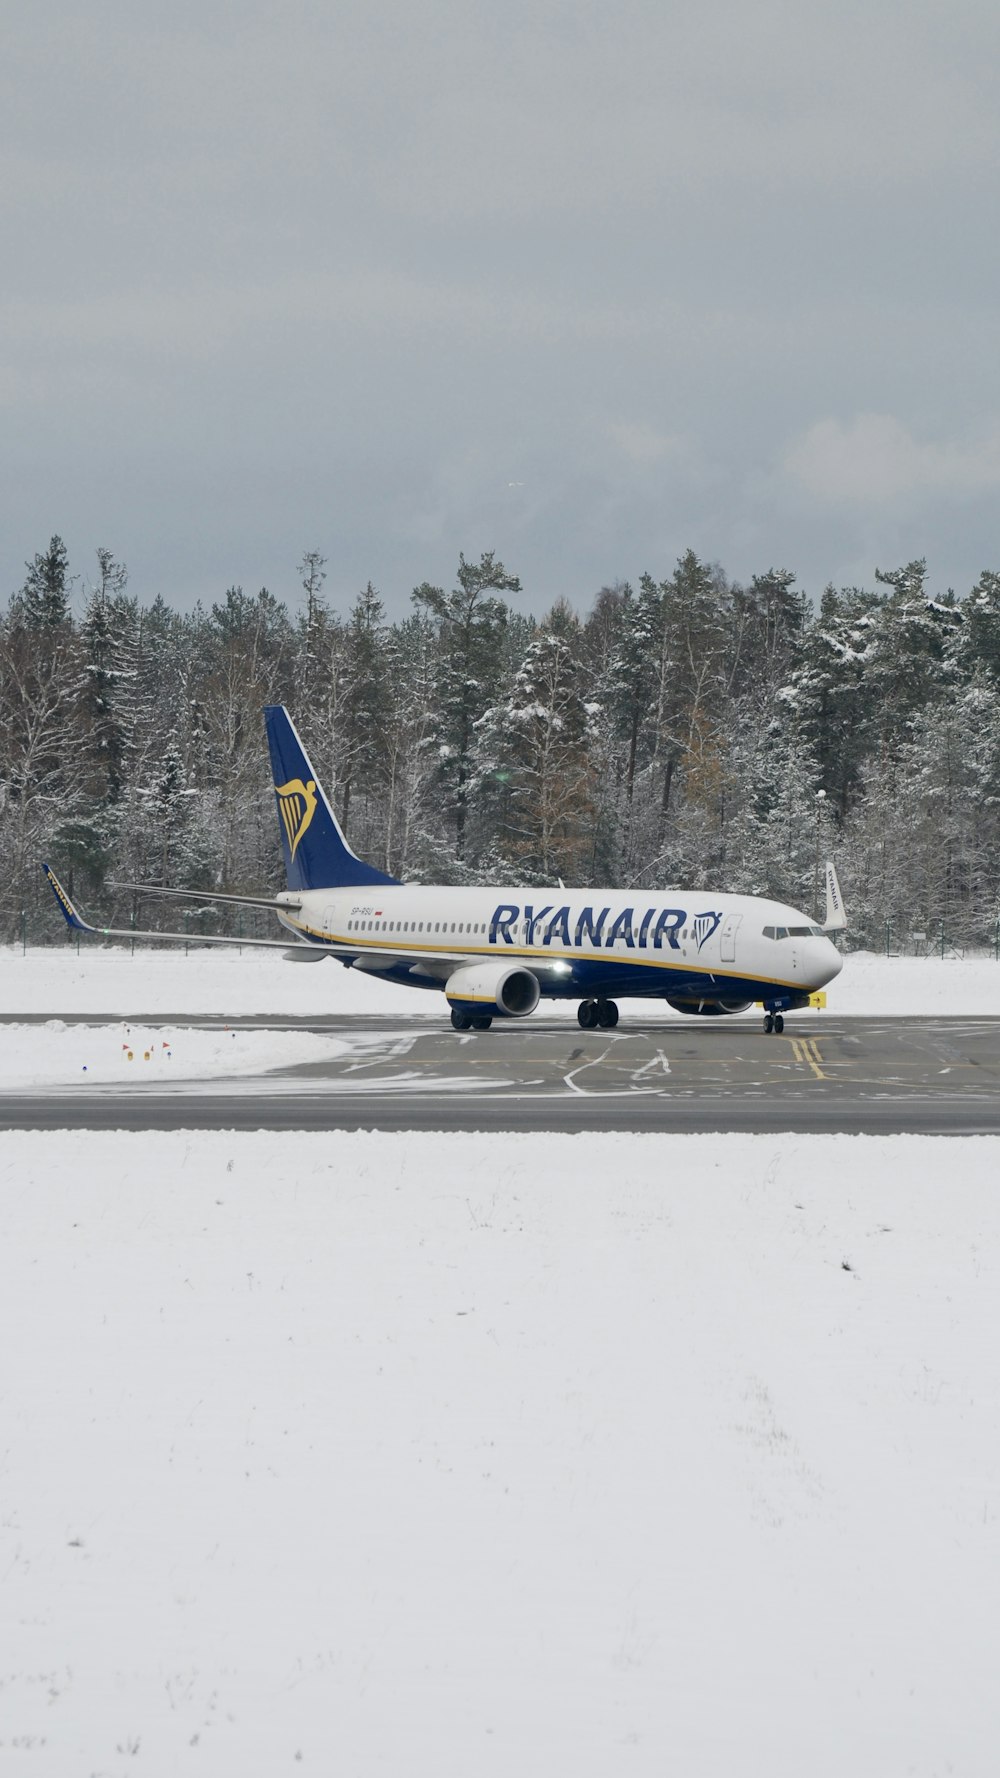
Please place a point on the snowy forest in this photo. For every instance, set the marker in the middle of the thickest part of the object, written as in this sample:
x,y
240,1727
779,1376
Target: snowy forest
x,y
689,730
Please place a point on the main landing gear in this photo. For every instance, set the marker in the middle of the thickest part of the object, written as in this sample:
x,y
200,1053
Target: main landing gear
x,y
464,1021
597,1012
773,1021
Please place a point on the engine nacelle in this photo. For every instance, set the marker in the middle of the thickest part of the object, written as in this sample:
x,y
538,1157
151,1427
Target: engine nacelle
x,y
710,1009
493,989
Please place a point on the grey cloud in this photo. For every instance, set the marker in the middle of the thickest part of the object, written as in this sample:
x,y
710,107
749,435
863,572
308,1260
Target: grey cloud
x,y
340,277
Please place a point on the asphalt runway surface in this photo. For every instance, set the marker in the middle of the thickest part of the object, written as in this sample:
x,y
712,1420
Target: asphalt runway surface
x,y
856,1075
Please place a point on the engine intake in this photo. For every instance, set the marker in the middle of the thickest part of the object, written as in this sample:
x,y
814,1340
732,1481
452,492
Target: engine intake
x,y
489,987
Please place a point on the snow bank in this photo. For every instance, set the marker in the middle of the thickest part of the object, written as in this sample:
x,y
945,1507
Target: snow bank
x,y
54,1053
449,1456
233,984
237,984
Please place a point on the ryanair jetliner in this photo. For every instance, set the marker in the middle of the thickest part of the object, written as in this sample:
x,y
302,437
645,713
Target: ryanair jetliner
x,y
496,952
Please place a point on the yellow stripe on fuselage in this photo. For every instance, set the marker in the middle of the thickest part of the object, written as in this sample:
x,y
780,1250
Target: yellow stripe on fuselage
x,y
512,953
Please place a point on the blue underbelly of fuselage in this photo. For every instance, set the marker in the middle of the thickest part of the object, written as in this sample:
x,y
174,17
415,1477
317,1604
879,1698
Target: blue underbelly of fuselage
x,y
619,978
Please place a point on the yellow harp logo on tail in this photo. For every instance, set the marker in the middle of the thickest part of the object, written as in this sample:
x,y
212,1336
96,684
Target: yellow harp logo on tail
x,y
297,803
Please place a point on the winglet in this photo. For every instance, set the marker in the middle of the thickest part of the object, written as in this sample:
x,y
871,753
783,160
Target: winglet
x,y
67,909
836,919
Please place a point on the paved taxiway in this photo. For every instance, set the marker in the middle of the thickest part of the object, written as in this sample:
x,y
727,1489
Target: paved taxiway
x,y
856,1075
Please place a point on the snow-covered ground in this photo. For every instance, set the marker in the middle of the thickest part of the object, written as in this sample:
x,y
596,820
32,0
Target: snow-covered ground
x,y
54,1053
456,1455
58,979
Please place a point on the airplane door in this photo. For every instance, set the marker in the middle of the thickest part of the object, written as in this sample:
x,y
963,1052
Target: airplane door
x,y
727,938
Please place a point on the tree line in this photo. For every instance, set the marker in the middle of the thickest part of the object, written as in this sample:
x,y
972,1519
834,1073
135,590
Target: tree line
x,y
690,730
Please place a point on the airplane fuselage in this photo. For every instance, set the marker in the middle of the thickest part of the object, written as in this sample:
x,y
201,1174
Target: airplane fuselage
x,y
609,942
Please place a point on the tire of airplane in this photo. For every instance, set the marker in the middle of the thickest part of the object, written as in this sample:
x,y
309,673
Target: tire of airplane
x,y
607,1014
586,1014
481,1024
460,1020
779,1022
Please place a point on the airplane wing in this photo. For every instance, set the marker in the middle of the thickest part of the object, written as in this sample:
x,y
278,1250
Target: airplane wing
x,y
75,919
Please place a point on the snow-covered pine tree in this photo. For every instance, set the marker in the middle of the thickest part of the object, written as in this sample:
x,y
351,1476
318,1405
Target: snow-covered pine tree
x,y
469,624
538,739
44,600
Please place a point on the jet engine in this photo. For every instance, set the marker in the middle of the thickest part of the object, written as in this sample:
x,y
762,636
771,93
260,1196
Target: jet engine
x,y
709,1009
492,988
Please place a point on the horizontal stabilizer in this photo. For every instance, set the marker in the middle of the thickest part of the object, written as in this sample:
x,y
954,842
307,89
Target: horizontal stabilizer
x,y
836,919
243,901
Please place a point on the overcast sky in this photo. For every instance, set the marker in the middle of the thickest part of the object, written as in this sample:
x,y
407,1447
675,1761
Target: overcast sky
x,y
584,284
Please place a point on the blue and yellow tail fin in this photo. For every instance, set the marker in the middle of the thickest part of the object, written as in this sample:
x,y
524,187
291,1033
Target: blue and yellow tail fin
x,y
317,855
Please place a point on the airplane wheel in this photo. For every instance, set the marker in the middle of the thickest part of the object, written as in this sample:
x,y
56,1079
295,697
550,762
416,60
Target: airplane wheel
x,y
586,1014
607,1014
768,1022
779,1023
482,1024
460,1020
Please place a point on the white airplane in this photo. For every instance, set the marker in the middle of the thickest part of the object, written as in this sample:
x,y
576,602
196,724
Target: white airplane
x,y
495,952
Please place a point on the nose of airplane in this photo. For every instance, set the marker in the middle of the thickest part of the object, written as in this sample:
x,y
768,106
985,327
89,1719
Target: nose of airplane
x,y
833,962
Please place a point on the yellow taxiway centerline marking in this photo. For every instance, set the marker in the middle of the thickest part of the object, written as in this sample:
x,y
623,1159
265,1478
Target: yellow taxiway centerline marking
x,y
806,1050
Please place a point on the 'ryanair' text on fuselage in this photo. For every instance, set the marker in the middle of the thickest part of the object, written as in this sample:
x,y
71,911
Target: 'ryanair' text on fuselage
x,y
548,925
